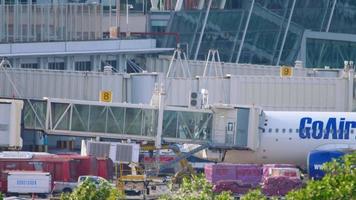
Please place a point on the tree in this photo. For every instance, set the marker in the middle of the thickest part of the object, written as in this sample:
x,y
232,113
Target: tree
x,y
338,183
196,188
89,191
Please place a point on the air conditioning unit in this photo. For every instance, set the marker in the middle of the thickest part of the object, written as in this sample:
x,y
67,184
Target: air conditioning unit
x,y
98,149
118,152
194,100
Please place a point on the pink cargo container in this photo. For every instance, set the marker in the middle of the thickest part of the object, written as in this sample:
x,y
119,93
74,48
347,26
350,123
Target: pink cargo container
x,y
218,172
266,167
245,174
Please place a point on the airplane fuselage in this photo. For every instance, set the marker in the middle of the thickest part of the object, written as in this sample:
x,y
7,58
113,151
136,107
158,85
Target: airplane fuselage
x,y
288,137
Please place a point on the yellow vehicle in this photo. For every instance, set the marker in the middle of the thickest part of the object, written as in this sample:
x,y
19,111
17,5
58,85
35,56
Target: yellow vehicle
x,y
186,168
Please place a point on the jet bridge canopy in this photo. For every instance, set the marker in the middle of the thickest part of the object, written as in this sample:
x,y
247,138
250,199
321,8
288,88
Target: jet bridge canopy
x,y
118,120
220,126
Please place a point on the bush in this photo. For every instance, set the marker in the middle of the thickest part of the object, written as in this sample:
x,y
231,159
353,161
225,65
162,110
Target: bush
x,y
89,191
254,195
339,182
1,196
196,188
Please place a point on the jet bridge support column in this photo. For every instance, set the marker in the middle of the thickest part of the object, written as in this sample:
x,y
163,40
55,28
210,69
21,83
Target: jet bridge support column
x,y
161,97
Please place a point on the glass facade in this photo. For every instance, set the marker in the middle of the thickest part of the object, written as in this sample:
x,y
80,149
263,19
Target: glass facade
x,y
270,37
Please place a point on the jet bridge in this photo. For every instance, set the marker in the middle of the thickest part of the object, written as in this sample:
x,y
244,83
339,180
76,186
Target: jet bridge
x,y
118,120
237,127
218,126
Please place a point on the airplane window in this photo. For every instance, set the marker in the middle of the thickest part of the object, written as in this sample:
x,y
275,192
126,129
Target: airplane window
x,y
290,130
269,130
283,130
265,124
263,130
352,131
297,130
277,130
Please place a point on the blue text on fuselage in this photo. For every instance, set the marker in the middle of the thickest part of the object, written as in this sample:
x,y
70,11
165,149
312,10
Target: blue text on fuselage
x,y
332,129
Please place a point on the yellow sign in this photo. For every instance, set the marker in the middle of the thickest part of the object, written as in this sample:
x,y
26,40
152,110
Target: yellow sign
x,y
286,71
105,96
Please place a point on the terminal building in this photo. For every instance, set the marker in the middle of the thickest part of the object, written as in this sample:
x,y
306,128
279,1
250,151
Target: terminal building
x,y
230,51
268,32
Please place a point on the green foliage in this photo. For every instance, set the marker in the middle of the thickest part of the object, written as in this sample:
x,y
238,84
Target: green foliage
x,y
1,196
254,195
224,196
196,188
89,191
338,183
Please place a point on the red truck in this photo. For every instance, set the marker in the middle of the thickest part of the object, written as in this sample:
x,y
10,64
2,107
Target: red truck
x,y
64,169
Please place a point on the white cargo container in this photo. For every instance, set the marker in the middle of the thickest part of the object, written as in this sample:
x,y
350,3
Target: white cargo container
x,y
10,123
28,182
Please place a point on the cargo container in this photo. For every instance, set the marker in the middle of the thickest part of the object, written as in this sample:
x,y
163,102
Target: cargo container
x,y
245,174
27,182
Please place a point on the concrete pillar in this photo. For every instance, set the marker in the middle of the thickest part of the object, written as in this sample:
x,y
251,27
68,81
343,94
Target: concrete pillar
x,y
121,62
69,61
96,62
43,62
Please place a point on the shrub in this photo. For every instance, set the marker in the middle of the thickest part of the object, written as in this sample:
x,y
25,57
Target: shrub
x,y
196,188
89,191
254,195
339,182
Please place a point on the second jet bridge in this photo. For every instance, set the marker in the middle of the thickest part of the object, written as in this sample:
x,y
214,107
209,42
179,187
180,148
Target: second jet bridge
x,y
237,127
219,126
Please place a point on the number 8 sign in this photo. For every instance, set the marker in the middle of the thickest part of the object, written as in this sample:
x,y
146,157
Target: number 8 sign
x,y
105,96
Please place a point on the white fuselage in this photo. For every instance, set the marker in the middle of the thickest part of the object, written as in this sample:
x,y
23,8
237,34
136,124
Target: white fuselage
x,y
288,137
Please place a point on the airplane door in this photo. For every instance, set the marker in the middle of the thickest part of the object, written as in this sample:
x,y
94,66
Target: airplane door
x,y
243,115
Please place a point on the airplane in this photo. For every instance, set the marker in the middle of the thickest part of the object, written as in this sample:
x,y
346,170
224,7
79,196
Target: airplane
x,y
288,137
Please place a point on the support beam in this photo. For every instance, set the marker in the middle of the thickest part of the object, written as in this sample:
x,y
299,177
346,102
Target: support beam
x,y
327,30
201,4
202,30
161,105
245,30
179,5
285,34
222,4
